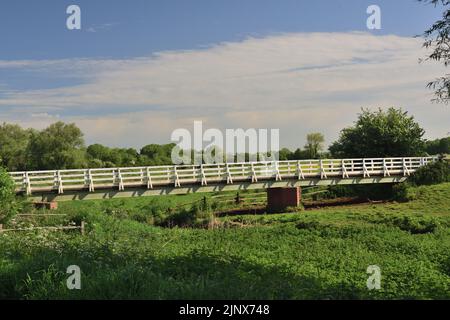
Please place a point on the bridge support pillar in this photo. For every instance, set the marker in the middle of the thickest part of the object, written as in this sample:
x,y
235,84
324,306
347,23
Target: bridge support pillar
x,y
278,199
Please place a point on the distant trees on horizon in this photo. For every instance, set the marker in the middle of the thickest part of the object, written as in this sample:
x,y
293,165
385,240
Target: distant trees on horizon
x,y
61,146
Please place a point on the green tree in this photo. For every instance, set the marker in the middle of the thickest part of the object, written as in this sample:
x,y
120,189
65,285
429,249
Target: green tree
x,y
13,145
126,156
285,154
8,204
157,154
437,38
98,151
300,154
438,146
314,144
380,134
433,173
60,146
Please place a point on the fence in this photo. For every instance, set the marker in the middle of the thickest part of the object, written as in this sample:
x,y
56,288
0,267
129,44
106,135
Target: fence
x,y
227,173
81,227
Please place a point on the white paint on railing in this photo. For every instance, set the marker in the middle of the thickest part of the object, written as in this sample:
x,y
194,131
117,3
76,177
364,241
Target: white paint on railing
x,y
226,173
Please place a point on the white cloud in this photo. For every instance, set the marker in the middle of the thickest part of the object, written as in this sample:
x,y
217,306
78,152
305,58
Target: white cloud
x,y
296,82
101,27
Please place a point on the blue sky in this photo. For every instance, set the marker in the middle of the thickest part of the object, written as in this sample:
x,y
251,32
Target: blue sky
x,y
146,68
36,30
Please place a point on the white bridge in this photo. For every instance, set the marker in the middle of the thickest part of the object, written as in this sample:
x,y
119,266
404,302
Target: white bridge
x,y
158,180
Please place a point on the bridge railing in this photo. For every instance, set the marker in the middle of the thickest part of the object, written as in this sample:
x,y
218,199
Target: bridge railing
x,y
154,176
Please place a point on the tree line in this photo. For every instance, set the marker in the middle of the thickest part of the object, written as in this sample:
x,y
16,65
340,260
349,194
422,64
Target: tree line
x,y
378,133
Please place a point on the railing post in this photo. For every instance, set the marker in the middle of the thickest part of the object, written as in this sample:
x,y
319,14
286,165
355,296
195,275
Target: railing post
x,y
229,177
323,174
238,198
405,168
202,171
177,181
27,183
277,172
254,177
386,172
365,171
120,178
82,228
59,182
149,179
344,170
90,181
300,171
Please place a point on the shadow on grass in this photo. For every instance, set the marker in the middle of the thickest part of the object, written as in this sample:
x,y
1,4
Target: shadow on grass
x,y
193,276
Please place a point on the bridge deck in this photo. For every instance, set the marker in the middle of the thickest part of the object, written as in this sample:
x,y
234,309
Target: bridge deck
x,y
156,180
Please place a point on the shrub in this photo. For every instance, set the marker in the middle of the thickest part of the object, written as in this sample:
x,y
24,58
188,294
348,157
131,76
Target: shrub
x,y
416,225
118,213
183,218
198,215
364,191
340,191
8,204
402,192
433,173
308,225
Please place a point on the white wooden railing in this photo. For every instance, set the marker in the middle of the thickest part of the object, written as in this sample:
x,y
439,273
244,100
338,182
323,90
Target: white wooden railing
x,y
176,176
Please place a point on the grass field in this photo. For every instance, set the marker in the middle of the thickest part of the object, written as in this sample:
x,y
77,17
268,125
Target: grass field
x,y
313,254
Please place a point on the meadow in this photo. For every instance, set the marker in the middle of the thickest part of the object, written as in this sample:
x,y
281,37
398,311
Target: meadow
x,y
128,252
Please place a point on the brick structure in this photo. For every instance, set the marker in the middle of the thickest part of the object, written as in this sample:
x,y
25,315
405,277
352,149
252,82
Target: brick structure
x,y
278,199
52,205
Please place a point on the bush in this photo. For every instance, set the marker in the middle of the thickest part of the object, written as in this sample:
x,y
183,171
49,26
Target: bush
x,y
363,191
183,218
198,215
341,191
8,203
402,192
433,173
414,225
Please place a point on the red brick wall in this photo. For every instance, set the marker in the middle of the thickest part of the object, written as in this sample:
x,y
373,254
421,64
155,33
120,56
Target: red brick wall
x,y
280,198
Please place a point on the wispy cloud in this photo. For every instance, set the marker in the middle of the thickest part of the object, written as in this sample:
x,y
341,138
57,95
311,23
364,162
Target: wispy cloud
x,y
101,27
296,82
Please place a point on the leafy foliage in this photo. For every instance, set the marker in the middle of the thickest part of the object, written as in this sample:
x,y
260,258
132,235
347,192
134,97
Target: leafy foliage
x,y
8,204
437,38
314,144
403,192
13,146
388,133
60,146
105,157
438,146
157,154
434,173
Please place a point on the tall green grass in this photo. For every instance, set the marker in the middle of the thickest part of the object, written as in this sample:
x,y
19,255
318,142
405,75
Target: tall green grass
x,y
319,254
